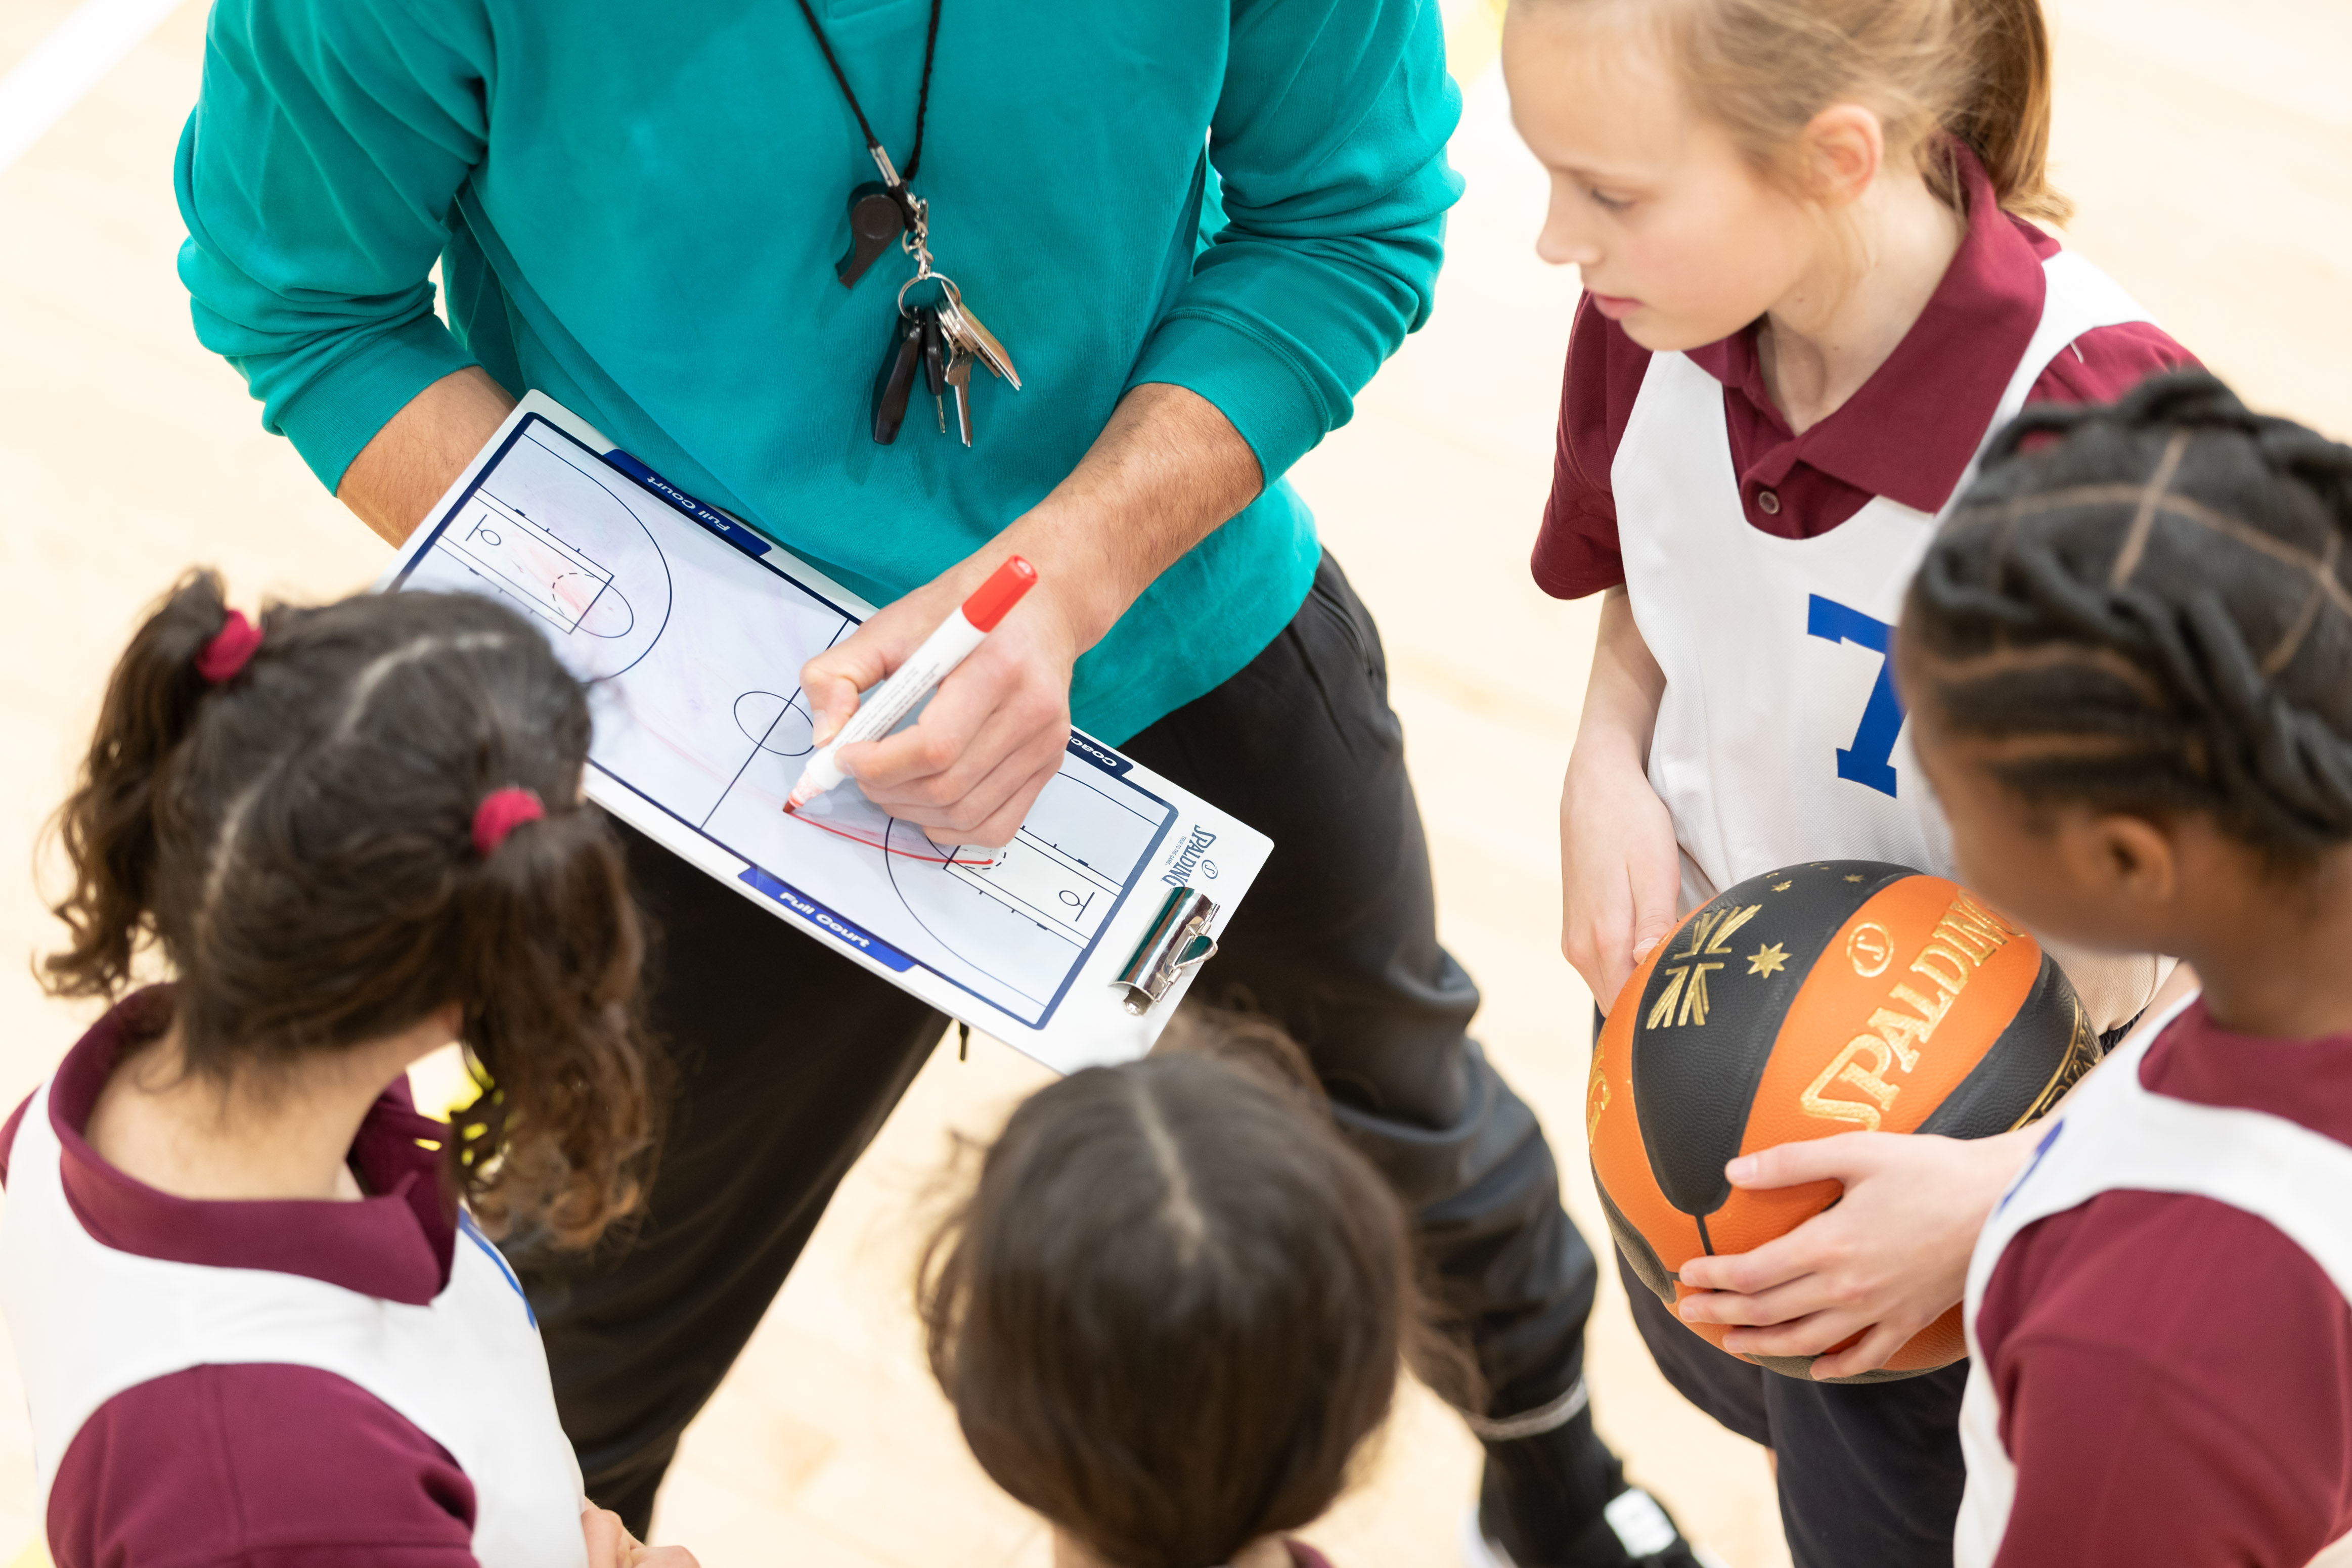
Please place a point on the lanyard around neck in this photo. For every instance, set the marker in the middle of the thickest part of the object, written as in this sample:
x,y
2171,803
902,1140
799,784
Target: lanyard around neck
x,y
895,182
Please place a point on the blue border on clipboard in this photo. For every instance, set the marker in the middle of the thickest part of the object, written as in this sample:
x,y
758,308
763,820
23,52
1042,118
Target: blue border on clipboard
x,y
755,549
826,920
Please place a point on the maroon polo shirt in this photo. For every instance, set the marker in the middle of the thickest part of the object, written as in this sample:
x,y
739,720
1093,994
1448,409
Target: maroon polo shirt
x,y
1907,434
266,1464
2174,1374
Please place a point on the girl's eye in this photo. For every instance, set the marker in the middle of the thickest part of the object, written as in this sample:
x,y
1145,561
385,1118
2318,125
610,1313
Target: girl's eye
x,y
1607,202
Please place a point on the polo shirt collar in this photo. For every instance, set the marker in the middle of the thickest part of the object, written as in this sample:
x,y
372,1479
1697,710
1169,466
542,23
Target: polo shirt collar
x,y
1911,430
395,1244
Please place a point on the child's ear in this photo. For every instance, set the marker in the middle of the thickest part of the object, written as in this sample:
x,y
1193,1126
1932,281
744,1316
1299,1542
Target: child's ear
x,y
2131,857
1844,147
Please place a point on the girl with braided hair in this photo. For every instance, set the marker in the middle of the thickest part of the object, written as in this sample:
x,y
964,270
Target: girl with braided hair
x,y
2129,657
1813,289
252,1320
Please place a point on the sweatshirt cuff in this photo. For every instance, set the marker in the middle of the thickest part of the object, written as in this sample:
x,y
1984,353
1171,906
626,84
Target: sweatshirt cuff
x,y
342,408
1254,380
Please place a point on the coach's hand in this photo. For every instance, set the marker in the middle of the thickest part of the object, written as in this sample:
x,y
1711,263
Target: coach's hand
x,y
1167,471
968,771
1889,1259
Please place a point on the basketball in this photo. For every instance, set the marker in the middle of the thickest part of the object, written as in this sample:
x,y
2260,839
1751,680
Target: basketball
x,y
1835,996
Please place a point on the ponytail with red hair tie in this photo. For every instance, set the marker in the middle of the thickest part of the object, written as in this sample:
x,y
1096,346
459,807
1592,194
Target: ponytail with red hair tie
x,y
500,813
230,649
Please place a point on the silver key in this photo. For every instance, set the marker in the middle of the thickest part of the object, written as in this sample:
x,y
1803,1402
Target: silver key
x,y
966,328
959,382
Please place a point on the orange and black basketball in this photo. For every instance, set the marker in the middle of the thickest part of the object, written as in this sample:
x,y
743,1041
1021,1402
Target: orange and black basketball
x,y
1823,999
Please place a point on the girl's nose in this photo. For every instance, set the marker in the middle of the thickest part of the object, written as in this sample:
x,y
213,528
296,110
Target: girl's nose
x,y
1566,239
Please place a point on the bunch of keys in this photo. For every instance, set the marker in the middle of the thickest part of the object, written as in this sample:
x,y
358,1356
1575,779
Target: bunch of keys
x,y
944,340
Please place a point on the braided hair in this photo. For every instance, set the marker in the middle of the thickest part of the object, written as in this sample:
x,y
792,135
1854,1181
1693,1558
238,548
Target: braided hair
x,y
2144,607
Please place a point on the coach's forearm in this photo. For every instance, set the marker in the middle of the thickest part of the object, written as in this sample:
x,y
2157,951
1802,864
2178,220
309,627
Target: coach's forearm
x,y
1167,471
398,476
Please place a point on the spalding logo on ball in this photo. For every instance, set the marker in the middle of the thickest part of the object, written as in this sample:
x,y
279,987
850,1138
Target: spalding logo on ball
x,y
1831,998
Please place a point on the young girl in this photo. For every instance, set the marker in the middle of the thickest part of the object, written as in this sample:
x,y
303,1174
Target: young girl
x,y
1811,294
2130,662
1174,1306
252,1322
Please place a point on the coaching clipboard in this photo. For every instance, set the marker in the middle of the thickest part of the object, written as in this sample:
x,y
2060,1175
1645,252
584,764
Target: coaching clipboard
x,y
689,630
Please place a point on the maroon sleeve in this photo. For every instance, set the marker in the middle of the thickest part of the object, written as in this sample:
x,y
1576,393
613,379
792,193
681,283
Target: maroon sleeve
x,y
257,1466
2176,1386
1576,552
2105,362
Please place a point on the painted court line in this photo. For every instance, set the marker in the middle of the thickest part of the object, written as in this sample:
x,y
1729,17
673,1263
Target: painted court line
x,y
78,53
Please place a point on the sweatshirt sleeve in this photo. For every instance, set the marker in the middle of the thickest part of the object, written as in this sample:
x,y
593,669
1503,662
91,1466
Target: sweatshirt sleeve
x,y
1330,141
315,178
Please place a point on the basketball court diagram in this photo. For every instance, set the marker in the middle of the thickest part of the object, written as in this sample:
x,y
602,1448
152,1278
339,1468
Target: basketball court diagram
x,y
690,640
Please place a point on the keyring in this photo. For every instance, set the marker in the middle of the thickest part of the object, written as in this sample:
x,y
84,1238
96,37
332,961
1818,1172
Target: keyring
x,y
947,287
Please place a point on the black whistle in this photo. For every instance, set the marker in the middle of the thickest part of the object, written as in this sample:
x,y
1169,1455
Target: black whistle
x,y
895,379
874,220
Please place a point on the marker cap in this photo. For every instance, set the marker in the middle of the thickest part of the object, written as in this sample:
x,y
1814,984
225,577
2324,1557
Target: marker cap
x,y
991,600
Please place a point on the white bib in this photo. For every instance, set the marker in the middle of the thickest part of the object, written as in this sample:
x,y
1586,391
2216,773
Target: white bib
x,y
2115,1135
1780,738
466,1369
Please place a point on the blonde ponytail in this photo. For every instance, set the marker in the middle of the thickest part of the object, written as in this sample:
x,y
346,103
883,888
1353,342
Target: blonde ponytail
x,y
2005,115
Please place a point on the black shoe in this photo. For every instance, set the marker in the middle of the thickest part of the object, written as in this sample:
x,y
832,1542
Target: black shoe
x,y
1633,1529
1557,1498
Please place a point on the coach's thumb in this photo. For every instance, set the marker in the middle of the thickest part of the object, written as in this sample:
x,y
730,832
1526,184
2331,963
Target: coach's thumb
x,y
829,686
831,710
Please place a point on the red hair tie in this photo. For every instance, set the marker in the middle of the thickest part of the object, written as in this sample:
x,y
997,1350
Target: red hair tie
x,y
500,813
230,650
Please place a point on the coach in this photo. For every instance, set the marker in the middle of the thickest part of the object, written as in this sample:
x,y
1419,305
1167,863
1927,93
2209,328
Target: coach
x,y
1196,229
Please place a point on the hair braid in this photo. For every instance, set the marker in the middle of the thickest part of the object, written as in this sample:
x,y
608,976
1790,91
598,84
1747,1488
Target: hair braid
x,y
2146,605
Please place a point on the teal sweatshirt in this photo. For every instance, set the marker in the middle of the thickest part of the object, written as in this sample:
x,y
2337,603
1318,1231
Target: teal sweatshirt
x,y
636,207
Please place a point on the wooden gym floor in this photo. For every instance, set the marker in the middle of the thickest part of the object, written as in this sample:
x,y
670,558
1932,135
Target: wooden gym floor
x,y
2207,143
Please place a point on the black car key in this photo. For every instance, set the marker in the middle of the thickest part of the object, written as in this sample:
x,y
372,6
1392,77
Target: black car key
x,y
895,379
874,220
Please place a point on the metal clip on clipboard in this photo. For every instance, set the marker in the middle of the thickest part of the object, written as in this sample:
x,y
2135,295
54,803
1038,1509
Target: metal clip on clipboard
x,y
1178,943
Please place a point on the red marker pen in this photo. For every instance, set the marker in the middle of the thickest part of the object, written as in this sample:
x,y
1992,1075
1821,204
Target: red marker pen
x,y
916,679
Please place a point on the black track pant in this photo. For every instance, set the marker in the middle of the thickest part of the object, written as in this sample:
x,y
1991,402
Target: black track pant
x,y
1870,1473
792,1057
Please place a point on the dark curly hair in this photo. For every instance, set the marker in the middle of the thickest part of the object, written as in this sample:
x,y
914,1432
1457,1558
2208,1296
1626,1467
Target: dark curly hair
x,y
298,842
2146,605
